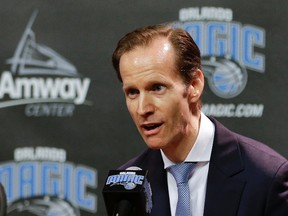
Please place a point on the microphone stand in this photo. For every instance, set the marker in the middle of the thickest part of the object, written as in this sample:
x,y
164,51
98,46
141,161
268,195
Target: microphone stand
x,y
124,208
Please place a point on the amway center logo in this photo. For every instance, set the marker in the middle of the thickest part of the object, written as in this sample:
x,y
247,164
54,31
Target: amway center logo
x,y
41,79
228,49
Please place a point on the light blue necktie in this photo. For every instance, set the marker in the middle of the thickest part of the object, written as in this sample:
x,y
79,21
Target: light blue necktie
x,y
181,174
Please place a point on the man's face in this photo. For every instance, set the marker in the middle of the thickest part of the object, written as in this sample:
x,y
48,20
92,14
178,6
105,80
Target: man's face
x,y
156,95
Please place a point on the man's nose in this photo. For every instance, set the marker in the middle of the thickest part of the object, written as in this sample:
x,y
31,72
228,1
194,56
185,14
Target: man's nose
x,y
145,105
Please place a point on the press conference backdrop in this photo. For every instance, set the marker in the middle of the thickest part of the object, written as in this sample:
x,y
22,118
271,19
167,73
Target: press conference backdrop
x,y
64,122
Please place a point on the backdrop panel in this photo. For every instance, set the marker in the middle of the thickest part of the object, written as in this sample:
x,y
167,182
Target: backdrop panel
x,y
64,122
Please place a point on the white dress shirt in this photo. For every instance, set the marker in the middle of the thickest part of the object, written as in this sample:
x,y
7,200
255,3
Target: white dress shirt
x,y
200,153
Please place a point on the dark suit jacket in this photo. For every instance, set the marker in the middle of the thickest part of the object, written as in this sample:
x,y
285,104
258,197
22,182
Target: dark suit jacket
x,y
245,178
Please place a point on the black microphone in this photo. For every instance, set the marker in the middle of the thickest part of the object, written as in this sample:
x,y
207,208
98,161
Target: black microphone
x,y
128,193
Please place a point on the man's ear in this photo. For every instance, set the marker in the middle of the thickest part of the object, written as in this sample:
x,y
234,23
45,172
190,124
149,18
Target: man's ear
x,y
196,86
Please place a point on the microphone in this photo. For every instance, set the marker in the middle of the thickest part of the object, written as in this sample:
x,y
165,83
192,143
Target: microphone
x,y
128,192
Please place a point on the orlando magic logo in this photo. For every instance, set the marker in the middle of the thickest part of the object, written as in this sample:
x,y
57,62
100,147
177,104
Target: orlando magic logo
x,y
226,78
41,182
218,36
129,180
130,185
43,205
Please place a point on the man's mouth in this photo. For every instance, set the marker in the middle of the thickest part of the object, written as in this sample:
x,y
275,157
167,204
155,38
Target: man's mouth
x,y
151,127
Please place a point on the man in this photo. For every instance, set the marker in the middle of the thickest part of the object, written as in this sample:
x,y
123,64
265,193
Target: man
x,y
160,70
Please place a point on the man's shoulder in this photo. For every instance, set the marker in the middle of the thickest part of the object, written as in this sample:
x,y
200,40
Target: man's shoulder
x,y
258,147
246,143
260,154
253,154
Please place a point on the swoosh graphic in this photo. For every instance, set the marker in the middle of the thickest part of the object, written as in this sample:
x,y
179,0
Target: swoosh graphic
x,y
31,101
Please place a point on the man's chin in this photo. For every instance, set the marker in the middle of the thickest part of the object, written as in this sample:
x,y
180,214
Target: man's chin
x,y
154,145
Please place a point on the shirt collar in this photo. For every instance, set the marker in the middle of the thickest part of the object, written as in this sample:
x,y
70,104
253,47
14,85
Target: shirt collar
x,y
202,148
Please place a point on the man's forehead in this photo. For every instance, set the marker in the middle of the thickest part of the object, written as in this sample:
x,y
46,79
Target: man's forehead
x,y
158,41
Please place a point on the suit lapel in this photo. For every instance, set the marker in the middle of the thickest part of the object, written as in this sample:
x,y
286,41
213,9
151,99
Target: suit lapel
x,y
223,194
158,180
223,189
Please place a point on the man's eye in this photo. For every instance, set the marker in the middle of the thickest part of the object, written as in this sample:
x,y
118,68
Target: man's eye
x,y
158,87
132,93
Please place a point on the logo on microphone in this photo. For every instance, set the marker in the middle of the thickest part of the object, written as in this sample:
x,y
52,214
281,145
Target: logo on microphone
x,y
129,180
130,184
